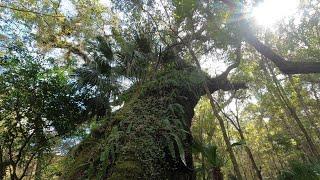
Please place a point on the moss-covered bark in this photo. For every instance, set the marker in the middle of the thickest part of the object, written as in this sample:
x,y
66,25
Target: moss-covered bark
x,y
149,138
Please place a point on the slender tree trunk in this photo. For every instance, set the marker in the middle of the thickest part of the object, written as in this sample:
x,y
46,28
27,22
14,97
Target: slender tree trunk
x,y
220,119
305,108
274,152
291,110
249,153
38,170
243,163
295,116
291,133
226,139
3,166
202,157
237,126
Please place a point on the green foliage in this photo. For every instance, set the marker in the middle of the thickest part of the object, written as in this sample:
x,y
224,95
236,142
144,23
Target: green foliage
x,y
144,42
37,106
34,91
150,128
180,149
301,171
184,8
210,153
53,22
51,167
97,80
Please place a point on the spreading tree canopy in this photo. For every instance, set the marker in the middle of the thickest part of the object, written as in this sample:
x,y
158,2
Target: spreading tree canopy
x,y
137,73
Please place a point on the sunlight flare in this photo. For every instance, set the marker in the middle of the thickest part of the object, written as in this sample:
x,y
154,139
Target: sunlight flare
x,y
269,12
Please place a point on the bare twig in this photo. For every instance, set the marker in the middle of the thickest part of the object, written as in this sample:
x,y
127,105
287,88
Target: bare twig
x,y
29,11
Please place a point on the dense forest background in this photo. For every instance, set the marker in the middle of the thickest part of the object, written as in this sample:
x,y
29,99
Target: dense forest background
x,y
159,89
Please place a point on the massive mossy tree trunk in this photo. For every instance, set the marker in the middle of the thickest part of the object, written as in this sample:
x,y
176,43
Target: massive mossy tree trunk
x,y
149,138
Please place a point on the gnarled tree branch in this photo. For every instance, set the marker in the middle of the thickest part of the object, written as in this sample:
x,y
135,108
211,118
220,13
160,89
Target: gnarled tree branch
x,y
222,82
287,67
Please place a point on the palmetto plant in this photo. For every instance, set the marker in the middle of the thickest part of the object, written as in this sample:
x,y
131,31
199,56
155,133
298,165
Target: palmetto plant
x,y
97,81
101,79
212,158
301,171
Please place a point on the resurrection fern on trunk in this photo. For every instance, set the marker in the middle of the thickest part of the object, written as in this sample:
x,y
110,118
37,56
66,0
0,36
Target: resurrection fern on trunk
x,y
149,138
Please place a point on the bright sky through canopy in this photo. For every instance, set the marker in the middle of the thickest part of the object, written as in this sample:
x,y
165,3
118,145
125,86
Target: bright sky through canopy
x,y
269,12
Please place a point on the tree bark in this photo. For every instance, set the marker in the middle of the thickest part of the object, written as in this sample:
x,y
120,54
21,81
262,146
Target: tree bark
x,y
286,67
38,170
3,166
249,153
149,137
226,139
217,174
